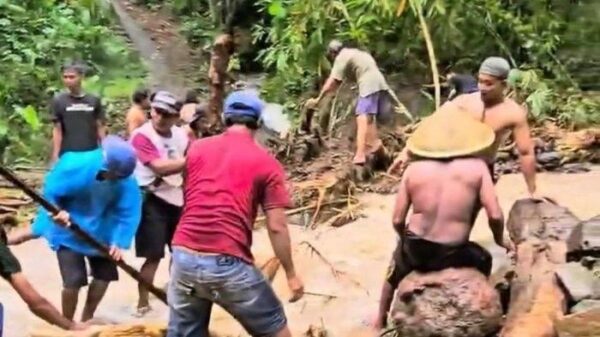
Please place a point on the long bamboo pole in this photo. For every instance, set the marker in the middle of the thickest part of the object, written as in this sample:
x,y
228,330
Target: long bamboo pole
x,y
428,43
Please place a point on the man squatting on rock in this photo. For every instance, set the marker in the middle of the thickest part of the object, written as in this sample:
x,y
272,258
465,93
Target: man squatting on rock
x,y
227,177
160,146
443,188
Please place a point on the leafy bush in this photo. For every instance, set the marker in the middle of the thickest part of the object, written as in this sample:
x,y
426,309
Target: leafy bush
x,y
531,34
36,38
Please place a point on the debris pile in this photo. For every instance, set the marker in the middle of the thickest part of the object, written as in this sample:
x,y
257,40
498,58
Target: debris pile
x,y
15,207
556,150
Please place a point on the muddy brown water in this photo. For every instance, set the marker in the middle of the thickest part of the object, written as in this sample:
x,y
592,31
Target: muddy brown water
x,y
360,250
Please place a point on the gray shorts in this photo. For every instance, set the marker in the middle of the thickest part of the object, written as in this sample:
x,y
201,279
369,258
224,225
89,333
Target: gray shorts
x,y
198,281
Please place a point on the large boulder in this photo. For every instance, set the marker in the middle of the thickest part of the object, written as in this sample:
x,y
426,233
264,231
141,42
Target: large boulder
x,y
449,303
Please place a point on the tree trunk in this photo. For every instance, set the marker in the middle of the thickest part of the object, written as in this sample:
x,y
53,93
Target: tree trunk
x,y
540,230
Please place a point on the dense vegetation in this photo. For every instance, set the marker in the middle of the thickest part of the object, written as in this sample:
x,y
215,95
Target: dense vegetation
x,y
36,38
555,43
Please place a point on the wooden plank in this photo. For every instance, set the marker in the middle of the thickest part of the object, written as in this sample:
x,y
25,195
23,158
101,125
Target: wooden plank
x,y
540,229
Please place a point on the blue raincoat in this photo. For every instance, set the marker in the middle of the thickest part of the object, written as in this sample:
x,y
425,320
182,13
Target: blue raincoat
x,y
109,211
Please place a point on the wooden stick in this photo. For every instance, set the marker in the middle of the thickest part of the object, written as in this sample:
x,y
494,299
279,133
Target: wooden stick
x,y
83,235
329,297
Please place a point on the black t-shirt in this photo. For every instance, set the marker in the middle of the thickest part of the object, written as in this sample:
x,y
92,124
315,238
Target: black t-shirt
x,y
464,84
78,117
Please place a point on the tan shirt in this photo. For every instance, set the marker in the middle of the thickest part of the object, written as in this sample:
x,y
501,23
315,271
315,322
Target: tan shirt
x,y
359,66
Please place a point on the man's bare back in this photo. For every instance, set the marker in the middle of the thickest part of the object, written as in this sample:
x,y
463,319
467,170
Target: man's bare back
x,y
444,194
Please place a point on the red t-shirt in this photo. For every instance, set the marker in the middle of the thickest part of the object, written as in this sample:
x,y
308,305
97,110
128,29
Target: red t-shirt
x,y
227,177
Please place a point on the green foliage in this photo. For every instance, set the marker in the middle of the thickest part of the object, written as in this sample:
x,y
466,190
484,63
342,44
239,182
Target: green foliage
x,y
531,34
36,38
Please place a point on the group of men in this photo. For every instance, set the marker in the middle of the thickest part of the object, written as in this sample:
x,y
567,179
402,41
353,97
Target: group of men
x,y
122,191
448,164
168,186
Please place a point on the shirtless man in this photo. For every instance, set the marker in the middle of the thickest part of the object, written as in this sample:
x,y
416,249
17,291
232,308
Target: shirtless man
x,y
137,114
502,114
443,193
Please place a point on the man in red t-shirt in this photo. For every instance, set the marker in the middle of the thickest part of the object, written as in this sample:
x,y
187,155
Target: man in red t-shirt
x,y
227,177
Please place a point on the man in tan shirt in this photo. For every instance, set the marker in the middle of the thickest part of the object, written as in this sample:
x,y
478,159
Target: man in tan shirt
x,y
503,114
358,66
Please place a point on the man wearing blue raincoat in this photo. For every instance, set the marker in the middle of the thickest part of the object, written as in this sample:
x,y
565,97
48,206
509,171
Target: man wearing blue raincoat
x,y
96,190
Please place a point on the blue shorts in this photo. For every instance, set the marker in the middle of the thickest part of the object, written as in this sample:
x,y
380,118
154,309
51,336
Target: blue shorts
x,y
198,281
372,104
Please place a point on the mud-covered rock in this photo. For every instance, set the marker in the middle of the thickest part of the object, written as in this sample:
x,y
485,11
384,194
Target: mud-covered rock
x,y
586,236
449,303
549,160
579,281
529,218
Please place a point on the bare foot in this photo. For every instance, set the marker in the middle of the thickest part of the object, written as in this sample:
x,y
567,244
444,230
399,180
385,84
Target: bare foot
x,y
142,311
359,159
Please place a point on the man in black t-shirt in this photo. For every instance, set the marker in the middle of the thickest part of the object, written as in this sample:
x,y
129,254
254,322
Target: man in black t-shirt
x,y
461,84
78,117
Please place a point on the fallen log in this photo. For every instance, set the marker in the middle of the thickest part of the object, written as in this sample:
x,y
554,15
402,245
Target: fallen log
x,y
540,230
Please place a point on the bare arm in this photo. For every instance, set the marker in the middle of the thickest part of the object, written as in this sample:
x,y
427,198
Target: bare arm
x,y
134,122
489,200
280,238
402,205
148,154
101,130
56,141
100,121
525,147
330,85
165,167
40,306
21,235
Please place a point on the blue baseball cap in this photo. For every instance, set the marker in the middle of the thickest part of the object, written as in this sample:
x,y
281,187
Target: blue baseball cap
x,y
243,103
119,156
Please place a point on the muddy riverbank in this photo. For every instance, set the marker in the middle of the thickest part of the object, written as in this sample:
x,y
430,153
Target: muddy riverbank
x,y
360,250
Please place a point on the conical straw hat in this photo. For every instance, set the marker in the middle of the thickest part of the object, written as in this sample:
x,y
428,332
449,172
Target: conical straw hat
x,y
449,133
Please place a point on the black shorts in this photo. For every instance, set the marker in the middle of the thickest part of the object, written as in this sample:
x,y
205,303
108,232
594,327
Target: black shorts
x,y
159,219
9,264
426,256
74,272
495,176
